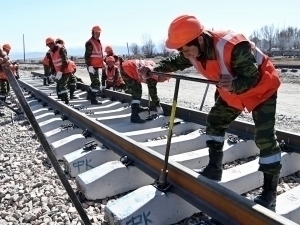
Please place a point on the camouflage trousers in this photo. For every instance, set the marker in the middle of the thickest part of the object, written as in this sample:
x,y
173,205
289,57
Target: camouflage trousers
x,y
4,88
135,89
61,86
72,81
47,71
95,80
221,116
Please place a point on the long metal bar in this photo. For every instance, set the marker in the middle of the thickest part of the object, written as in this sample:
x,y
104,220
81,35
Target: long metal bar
x,y
277,66
164,173
16,88
242,128
181,77
204,97
211,198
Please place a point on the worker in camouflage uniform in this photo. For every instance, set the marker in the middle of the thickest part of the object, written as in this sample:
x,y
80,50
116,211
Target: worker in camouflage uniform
x,y
94,62
133,79
72,79
60,66
247,80
111,77
4,84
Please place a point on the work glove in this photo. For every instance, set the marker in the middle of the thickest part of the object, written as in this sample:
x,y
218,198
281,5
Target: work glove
x,y
226,82
58,75
91,69
102,88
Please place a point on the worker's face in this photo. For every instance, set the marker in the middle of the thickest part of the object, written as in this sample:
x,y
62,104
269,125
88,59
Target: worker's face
x,y
109,53
51,45
190,51
96,35
6,50
193,51
110,64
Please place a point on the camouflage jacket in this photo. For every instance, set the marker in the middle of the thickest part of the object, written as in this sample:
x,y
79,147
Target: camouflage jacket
x,y
88,52
243,64
104,76
64,56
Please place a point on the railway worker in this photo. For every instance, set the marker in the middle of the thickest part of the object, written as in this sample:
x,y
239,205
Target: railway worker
x,y
4,84
247,80
94,61
72,79
111,77
133,79
60,66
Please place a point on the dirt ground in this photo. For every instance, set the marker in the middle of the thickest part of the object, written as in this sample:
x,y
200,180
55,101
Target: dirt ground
x,y
191,94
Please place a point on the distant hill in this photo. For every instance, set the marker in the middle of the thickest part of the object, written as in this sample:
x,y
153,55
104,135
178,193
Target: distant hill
x,y
119,50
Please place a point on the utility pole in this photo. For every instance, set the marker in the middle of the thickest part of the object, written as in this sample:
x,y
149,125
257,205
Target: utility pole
x,y
24,47
127,48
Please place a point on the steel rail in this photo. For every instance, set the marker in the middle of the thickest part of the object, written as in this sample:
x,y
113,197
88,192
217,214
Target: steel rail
x,y
208,196
46,146
238,127
277,65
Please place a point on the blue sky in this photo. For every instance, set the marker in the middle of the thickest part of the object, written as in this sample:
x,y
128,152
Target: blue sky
x,y
126,21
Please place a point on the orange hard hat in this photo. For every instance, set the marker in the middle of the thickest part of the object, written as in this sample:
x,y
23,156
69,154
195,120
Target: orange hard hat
x,y
182,30
108,48
110,59
49,40
96,29
59,40
6,47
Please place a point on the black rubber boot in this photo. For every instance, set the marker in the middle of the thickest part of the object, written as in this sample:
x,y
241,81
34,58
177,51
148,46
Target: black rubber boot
x,y
89,95
142,109
65,98
72,90
268,196
45,81
213,170
135,118
94,100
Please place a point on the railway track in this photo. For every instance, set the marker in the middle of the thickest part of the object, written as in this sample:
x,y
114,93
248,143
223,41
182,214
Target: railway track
x,y
277,65
108,156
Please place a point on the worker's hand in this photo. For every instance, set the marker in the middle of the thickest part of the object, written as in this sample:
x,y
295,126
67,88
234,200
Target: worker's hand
x,y
226,82
102,88
58,75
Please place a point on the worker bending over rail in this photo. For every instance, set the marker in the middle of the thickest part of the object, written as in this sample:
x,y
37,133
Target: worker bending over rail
x,y
60,66
4,84
247,81
133,79
94,61
111,77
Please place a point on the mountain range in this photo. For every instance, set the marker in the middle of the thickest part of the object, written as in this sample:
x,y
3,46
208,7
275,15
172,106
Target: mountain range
x,y
79,51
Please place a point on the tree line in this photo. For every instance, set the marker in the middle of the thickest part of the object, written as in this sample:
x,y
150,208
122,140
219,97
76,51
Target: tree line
x,y
266,38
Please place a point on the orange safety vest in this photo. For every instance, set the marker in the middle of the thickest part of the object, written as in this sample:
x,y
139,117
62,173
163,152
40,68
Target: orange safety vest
x,y
3,76
45,61
73,65
224,43
97,54
132,66
57,62
110,77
